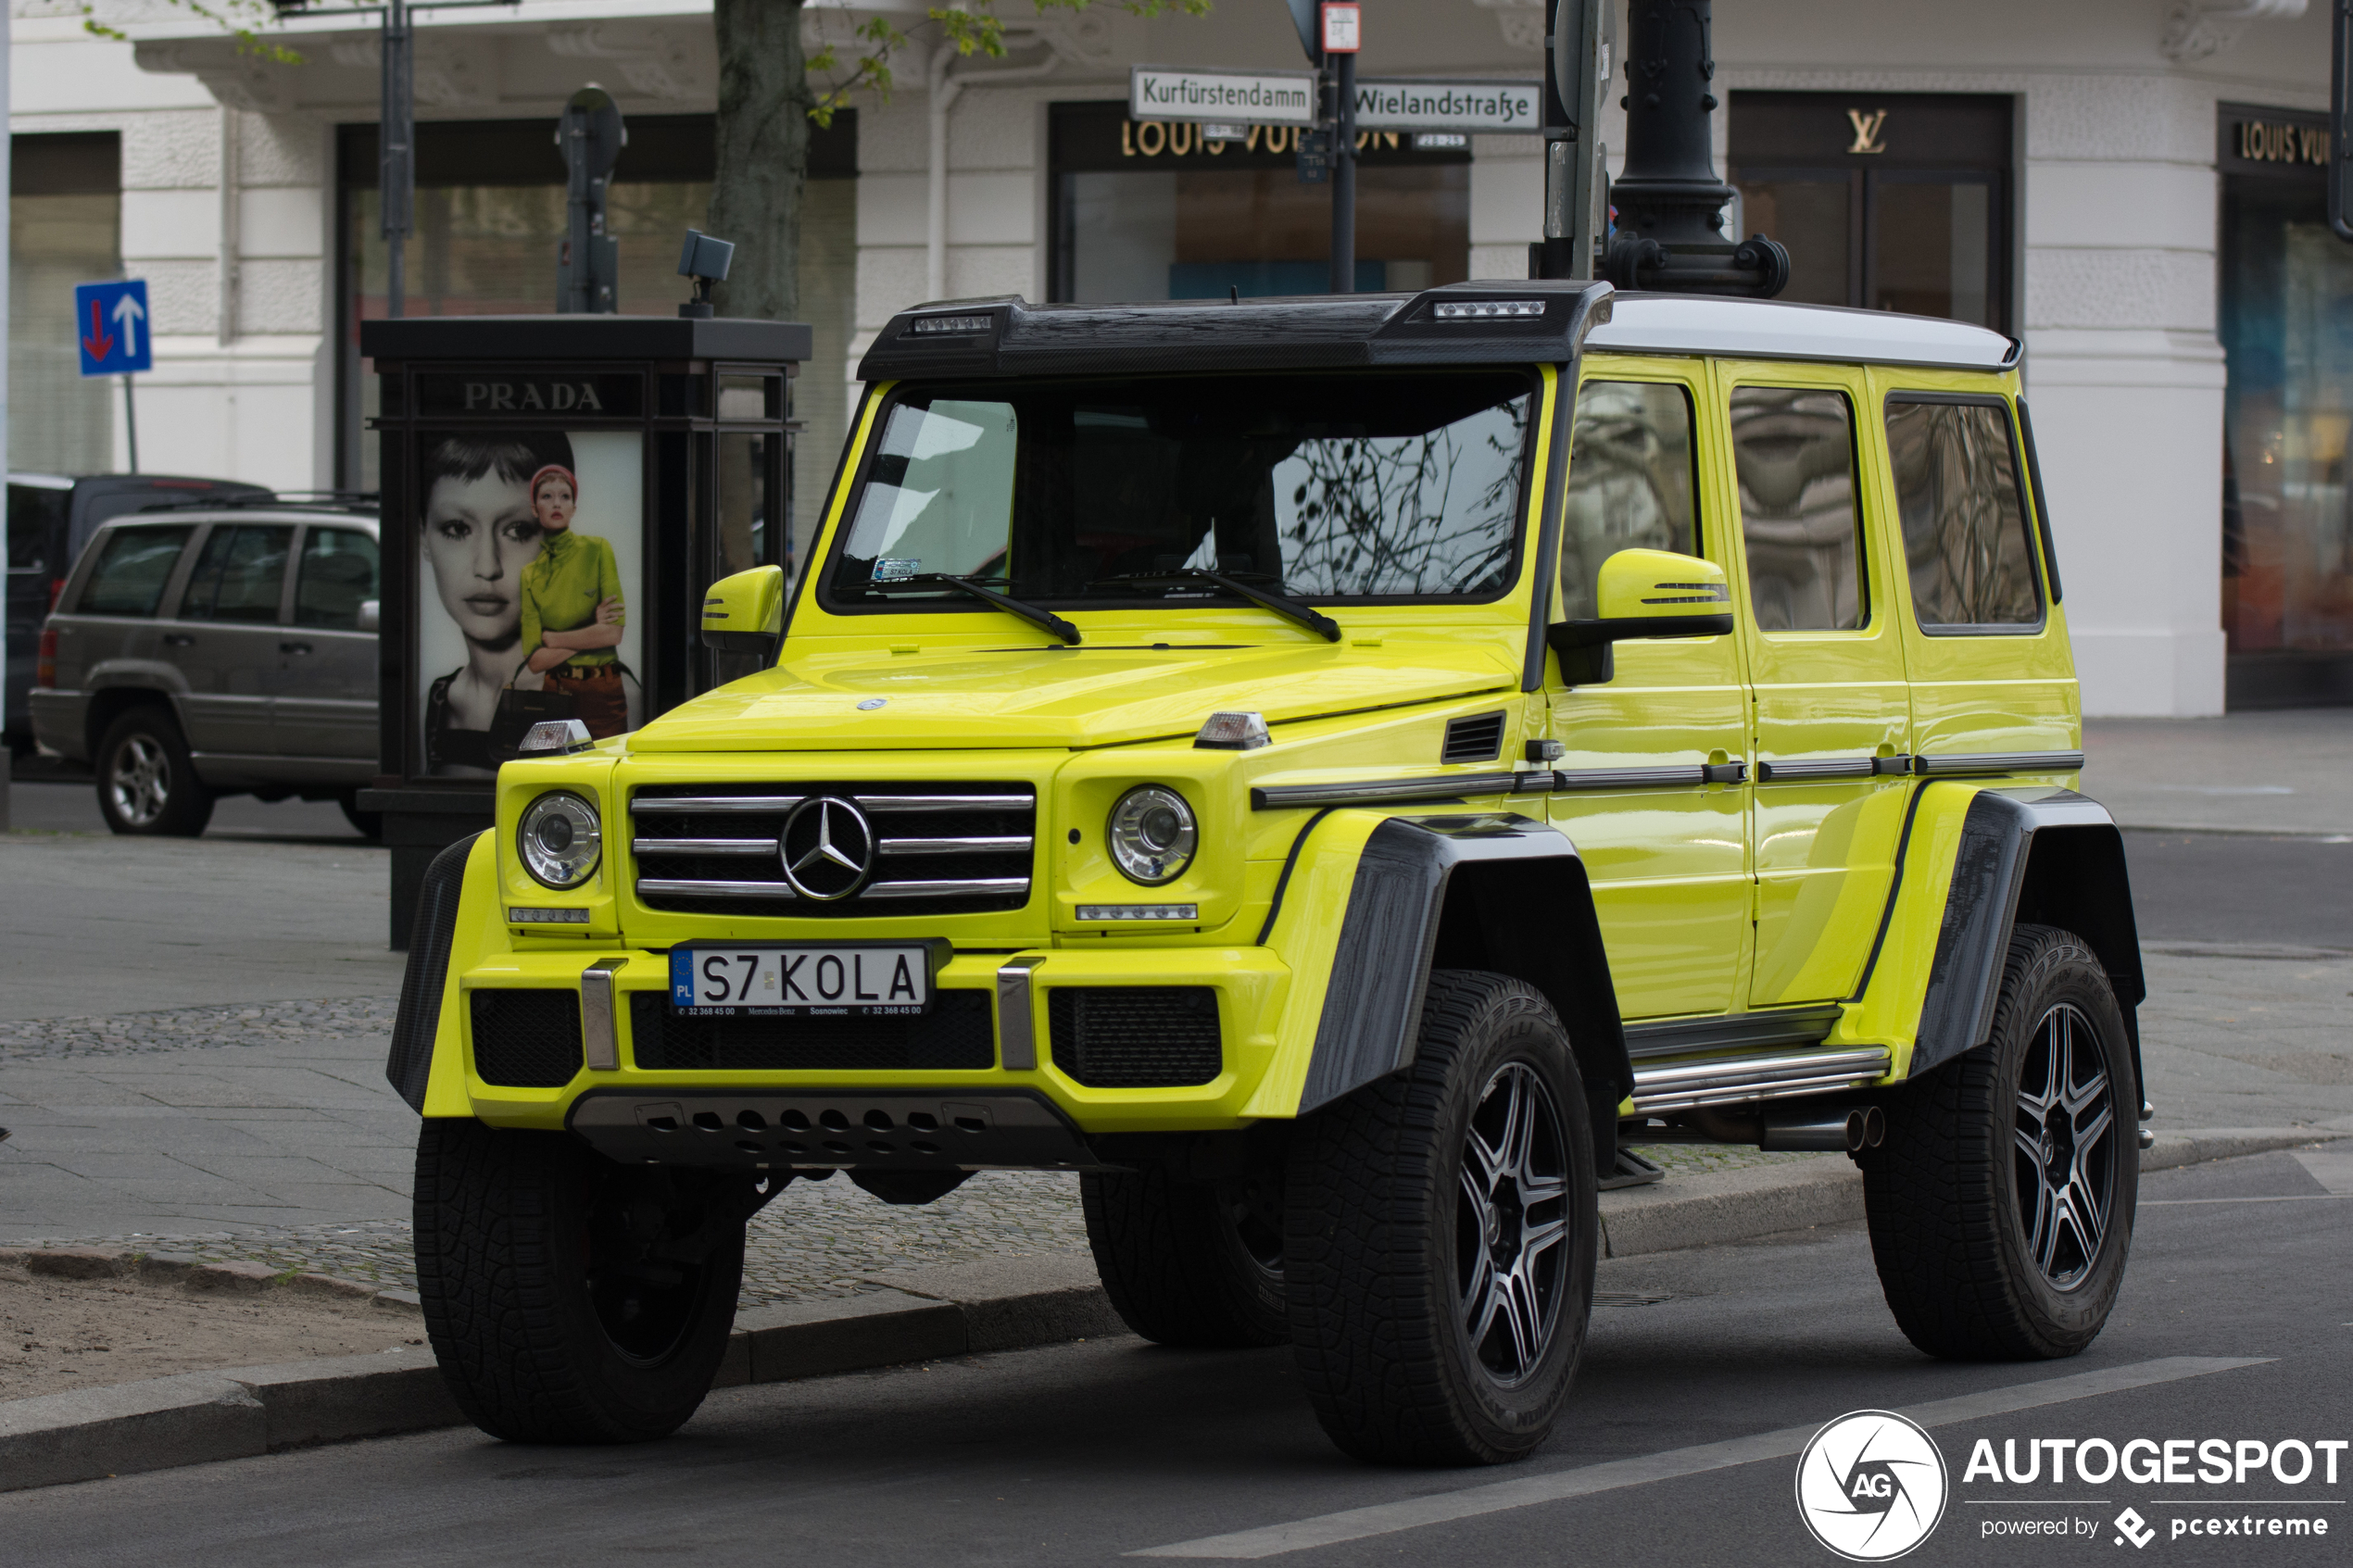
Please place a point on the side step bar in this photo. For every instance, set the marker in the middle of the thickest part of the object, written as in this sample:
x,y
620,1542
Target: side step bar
x,y
1685,1086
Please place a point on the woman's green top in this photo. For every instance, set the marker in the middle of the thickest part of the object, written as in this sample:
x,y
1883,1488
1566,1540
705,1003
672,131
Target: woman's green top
x,y
562,586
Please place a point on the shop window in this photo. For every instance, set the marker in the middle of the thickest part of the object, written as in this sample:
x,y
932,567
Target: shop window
x,y
1887,201
2287,334
65,227
1630,483
1800,525
1148,210
1966,544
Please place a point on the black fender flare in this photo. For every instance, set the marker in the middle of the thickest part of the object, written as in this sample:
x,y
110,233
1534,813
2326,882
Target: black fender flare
x,y
2047,858
1498,892
409,1065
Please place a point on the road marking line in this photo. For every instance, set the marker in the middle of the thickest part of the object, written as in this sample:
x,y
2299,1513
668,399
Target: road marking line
x,y
1383,1519
2292,1197
2332,1170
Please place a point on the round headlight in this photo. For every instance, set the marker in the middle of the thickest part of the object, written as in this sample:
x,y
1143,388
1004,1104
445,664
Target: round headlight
x,y
1153,835
559,840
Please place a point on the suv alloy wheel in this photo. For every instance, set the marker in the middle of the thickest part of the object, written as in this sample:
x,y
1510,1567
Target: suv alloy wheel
x,y
146,783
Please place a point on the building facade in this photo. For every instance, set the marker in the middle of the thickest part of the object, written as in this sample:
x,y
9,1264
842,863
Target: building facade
x,y
2132,186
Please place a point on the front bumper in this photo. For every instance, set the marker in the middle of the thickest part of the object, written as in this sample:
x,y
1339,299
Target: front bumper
x,y
1252,987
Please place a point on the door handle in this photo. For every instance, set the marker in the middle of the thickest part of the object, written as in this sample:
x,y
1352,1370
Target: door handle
x,y
294,647
177,640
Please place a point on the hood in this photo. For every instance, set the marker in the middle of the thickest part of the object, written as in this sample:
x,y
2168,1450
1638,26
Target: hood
x,y
1087,696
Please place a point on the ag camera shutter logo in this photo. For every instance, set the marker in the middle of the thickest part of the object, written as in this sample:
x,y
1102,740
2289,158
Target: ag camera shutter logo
x,y
1871,1485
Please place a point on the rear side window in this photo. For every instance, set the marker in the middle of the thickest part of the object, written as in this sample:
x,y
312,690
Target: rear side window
x,y
1965,532
37,528
131,574
240,574
337,574
1630,483
1801,520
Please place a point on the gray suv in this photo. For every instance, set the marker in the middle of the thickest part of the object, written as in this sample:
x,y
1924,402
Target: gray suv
x,y
196,653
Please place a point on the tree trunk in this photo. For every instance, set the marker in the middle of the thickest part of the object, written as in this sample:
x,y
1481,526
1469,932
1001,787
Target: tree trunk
x,y
764,154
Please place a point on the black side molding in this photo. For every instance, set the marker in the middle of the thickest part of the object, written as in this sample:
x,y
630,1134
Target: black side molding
x,y
410,1065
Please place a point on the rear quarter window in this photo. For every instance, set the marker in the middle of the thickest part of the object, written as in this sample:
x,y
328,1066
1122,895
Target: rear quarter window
x,y
133,565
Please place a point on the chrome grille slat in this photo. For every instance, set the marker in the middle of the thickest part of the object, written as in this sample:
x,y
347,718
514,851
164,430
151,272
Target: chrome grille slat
x,y
713,848
703,846
698,805
707,887
1008,844
966,888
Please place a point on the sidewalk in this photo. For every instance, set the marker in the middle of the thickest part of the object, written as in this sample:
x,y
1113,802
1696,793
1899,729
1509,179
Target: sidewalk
x,y
2289,771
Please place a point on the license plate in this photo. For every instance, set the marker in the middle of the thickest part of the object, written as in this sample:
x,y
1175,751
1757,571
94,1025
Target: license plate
x,y
856,982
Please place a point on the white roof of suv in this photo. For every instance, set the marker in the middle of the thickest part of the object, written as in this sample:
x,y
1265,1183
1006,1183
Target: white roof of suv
x,y
1765,329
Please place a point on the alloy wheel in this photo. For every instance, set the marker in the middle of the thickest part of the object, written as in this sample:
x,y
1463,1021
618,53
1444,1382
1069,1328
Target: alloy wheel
x,y
1512,1224
2064,1146
140,781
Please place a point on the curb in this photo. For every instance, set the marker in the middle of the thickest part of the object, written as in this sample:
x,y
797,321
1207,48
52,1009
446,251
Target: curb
x,y
913,1315
1740,1205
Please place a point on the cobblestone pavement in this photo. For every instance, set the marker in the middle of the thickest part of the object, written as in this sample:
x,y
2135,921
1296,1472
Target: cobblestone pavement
x,y
124,1034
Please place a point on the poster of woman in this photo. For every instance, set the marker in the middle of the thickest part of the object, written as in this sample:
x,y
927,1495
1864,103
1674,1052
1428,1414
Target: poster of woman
x,y
530,560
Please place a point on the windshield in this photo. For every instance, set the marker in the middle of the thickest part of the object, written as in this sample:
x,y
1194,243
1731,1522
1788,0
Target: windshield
x,y
1326,487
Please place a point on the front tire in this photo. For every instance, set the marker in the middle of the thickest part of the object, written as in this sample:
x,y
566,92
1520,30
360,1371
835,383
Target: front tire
x,y
569,1298
147,783
1185,1263
1441,1236
2001,1204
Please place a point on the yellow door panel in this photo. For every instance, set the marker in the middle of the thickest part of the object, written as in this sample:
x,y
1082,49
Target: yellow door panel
x,y
1825,666
1667,853
1987,649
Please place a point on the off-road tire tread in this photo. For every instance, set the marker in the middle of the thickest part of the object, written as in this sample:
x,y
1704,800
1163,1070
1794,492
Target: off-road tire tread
x,y
1162,1253
484,1236
1370,1352
1932,1196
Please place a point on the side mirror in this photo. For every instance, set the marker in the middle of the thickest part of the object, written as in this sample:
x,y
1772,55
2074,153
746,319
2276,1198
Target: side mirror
x,y
744,613
370,615
1642,594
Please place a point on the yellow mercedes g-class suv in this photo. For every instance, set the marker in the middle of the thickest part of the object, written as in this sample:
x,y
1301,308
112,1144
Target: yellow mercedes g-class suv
x,y
1330,773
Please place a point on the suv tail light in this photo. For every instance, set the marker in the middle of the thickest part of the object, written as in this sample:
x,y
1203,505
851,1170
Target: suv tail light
x,y
45,666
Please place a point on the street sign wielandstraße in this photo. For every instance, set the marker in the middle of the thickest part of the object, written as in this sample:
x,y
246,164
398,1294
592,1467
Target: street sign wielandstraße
x,y
1243,97
110,323
1488,107
1289,98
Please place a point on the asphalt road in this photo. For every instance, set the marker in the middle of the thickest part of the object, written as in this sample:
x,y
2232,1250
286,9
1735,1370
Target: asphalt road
x,y
1087,1452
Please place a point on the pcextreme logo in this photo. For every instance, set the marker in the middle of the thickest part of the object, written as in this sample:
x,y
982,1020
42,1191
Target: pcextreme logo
x,y
1870,1485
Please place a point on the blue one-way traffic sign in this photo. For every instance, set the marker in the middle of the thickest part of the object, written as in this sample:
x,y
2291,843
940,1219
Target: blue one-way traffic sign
x,y
110,319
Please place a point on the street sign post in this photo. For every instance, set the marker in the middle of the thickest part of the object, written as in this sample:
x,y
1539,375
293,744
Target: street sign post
x,y
1343,35
110,323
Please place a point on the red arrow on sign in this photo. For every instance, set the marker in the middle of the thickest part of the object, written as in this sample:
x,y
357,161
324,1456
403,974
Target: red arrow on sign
x,y
97,343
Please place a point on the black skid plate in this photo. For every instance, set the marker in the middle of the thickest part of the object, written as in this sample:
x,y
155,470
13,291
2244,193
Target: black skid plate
x,y
881,1130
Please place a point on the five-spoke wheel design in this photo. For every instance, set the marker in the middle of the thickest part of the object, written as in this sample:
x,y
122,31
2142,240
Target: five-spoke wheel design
x,y
139,780
2064,1146
1512,1224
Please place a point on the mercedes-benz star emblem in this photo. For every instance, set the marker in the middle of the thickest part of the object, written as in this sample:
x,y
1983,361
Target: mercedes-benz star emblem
x,y
828,848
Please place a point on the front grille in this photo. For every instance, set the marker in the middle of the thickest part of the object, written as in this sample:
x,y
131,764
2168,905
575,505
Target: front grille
x,y
937,850
1479,738
956,1034
526,1039
1134,1036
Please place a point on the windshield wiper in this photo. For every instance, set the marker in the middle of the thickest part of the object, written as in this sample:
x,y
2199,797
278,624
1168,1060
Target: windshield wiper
x,y
1046,618
1307,615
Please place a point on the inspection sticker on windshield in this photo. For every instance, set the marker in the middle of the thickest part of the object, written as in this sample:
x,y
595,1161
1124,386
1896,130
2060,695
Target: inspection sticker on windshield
x,y
837,982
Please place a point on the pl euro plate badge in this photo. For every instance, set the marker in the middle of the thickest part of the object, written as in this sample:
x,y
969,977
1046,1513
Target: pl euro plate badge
x,y
812,981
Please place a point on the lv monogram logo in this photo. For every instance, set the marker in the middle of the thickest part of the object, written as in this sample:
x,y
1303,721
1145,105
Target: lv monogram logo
x,y
1866,130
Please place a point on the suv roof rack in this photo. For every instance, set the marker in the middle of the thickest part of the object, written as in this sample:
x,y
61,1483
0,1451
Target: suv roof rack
x,y
366,501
